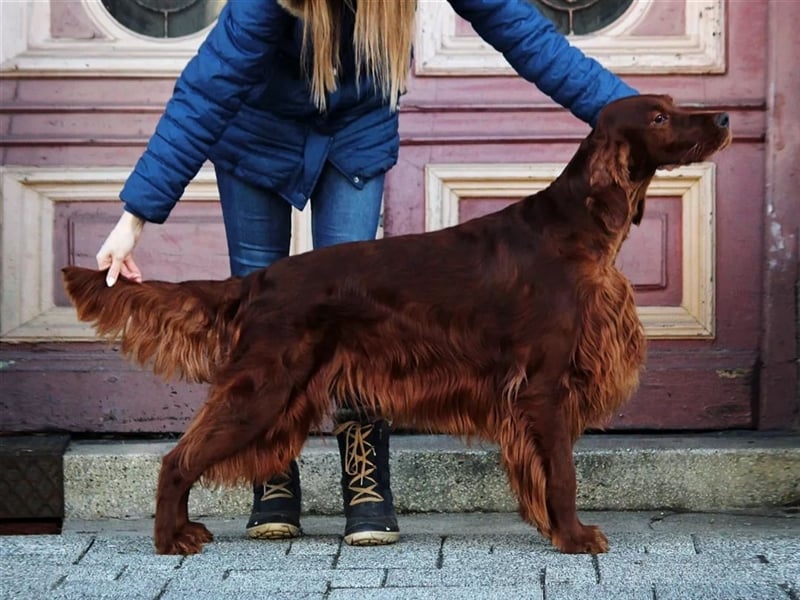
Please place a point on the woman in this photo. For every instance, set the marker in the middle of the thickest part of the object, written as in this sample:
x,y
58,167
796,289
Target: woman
x,y
295,101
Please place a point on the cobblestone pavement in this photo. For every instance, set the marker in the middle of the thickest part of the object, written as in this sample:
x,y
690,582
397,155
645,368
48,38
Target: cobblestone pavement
x,y
654,556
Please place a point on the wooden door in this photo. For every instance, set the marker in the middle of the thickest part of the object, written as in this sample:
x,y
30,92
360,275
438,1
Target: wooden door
x,y
714,263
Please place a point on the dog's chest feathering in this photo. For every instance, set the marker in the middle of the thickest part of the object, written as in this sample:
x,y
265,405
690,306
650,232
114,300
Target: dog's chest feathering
x,y
610,348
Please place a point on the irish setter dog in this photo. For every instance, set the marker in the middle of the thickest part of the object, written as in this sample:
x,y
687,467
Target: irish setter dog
x,y
515,327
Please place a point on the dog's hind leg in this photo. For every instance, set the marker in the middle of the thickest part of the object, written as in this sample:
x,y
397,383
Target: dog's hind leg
x,y
197,530
242,408
173,532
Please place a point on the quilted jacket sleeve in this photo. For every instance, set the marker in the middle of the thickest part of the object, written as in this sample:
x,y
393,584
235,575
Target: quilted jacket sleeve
x,y
236,55
540,54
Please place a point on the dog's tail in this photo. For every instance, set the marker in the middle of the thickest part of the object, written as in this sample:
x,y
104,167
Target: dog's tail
x,y
182,329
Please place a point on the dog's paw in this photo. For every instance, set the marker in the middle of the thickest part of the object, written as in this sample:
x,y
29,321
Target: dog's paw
x,y
189,540
200,531
586,540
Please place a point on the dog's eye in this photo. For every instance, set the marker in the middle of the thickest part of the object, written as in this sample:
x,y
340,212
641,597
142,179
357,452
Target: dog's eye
x,y
660,118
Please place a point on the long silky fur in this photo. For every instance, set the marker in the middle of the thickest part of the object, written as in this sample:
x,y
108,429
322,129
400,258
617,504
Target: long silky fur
x,y
178,329
605,367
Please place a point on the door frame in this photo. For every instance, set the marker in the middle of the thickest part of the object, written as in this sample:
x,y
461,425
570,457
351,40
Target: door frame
x,y
781,227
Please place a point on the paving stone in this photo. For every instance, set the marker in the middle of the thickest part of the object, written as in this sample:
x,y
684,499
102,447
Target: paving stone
x,y
135,551
515,553
788,572
664,544
231,553
232,559
697,570
310,546
599,591
487,546
284,580
267,580
770,548
719,590
466,593
45,549
415,552
77,581
357,578
573,570
247,591
477,577
140,589
25,578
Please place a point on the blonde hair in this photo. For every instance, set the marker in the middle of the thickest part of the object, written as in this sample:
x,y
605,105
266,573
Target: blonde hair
x,y
381,41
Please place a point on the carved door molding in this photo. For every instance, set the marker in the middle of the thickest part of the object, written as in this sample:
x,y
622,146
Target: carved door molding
x,y
444,48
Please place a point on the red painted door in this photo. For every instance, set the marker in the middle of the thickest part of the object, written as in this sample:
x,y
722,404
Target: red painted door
x,y
714,263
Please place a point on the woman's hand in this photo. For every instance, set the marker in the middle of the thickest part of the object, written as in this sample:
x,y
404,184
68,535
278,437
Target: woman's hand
x,y
116,253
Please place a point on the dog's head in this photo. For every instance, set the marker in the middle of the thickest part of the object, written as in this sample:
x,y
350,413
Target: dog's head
x,y
636,135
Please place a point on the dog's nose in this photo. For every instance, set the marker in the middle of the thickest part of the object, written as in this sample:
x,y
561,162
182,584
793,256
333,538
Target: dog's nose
x,y
722,120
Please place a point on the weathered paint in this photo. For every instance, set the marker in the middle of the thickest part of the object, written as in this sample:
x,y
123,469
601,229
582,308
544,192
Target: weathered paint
x,y
779,394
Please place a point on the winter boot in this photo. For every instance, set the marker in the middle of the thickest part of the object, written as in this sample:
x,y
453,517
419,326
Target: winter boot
x,y
276,507
367,498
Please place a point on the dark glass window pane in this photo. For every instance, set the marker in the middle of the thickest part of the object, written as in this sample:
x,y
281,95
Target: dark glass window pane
x,y
164,18
581,17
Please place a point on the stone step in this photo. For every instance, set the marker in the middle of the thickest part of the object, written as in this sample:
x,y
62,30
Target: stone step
x,y
708,472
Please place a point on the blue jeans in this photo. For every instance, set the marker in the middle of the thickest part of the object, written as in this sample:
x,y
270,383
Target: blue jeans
x,y
258,222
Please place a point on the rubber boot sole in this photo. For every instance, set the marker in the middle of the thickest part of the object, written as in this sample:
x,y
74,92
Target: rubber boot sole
x,y
273,531
372,538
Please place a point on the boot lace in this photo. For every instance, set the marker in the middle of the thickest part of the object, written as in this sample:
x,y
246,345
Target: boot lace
x,y
358,465
278,487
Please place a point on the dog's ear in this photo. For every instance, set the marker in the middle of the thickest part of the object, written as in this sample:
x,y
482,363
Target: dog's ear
x,y
609,168
609,179
609,161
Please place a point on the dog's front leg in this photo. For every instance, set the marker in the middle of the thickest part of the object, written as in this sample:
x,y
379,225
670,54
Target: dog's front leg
x,y
568,533
536,447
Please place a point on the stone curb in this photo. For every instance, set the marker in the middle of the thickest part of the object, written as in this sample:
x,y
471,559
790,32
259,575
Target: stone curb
x,y
713,472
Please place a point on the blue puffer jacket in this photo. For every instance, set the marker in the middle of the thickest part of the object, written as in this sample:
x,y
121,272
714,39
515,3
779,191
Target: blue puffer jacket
x,y
243,102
